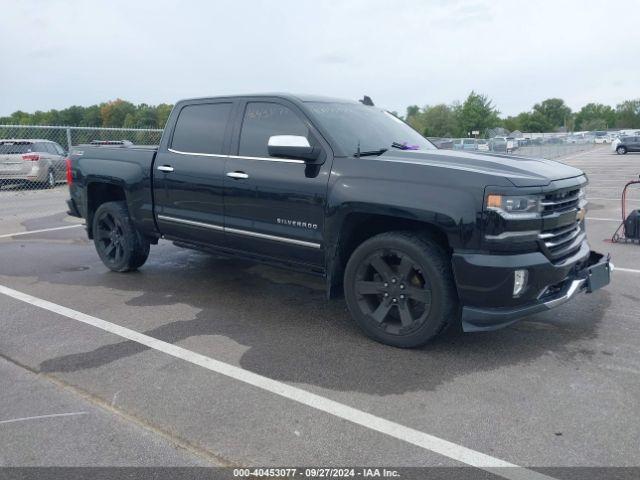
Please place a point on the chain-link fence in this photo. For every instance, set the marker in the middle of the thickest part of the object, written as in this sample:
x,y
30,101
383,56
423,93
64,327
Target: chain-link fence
x,y
552,146
33,157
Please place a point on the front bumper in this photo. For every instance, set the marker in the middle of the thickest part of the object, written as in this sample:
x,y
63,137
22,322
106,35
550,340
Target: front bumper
x,y
485,284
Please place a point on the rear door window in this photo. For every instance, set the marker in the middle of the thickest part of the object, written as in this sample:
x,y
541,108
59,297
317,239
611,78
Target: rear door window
x,y
263,120
201,128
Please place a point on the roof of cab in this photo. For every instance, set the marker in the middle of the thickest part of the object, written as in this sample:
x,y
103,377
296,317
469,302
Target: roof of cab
x,y
287,96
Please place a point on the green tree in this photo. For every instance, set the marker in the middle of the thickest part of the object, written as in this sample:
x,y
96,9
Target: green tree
x,y
512,123
555,112
439,121
628,114
91,117
477,113
594,114
72,115
534,122
594,124
415,117
162,114
113,113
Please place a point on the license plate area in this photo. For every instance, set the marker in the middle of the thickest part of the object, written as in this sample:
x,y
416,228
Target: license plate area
x,y
10,167
598,273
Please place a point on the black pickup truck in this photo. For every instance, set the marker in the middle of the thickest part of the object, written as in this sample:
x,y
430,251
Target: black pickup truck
x,y
417,238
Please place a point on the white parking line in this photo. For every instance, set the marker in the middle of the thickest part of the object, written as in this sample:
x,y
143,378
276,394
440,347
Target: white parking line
x,y
17,234
340,410
628,270
601,219
589,197
38,417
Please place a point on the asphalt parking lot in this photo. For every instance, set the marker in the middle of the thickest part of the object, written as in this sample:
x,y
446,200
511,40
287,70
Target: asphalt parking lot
x,y
269,373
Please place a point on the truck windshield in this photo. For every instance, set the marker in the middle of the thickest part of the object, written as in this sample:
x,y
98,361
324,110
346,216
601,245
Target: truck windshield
x,y
373,128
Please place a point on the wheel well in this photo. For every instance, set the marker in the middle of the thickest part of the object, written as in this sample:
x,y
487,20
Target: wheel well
x,y
97,194
359,227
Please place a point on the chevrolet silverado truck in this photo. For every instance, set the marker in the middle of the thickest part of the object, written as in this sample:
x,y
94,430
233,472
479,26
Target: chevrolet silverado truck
x,y
417,238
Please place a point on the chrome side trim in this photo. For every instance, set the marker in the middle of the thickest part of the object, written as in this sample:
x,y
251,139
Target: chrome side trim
x,y
179,152
275,238
268,159
193,223
238,231
217,155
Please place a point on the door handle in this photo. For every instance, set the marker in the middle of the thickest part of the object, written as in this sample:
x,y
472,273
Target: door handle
x,y
237,175
165,168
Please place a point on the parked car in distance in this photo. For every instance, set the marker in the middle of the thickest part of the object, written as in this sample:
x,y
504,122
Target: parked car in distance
x,y
483,145
601,137
465,144
502,144
416,238
34,161
626,144
443,143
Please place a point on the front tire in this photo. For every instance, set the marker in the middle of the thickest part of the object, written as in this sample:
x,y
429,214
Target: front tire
x,y
621,150
118,243
399,288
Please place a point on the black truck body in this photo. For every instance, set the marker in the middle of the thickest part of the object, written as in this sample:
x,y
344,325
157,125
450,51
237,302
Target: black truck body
x,y
217,183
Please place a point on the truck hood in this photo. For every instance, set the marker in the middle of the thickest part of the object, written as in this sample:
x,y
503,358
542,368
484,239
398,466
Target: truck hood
x,y
521,171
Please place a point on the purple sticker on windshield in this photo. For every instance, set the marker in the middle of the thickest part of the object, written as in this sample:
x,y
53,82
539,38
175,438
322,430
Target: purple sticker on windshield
x,y
404,146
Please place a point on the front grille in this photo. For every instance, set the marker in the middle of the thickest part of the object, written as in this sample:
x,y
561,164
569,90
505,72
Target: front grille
x,y
565,237
561,202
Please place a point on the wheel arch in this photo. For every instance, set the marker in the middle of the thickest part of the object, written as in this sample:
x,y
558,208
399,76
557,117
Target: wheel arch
x,y
99,192
358,226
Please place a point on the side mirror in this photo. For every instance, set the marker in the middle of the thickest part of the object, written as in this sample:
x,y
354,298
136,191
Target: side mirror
x,y
292,146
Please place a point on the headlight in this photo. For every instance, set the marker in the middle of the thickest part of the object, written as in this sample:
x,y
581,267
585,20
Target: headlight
x,y
519,206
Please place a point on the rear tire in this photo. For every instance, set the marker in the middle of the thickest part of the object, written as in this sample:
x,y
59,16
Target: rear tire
x,y
118,243
399,288
621,150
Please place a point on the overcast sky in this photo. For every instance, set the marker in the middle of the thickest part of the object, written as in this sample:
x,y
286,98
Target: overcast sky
x,y
59,53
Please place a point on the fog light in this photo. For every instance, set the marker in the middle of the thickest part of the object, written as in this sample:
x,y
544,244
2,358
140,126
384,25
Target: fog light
x,y
519,281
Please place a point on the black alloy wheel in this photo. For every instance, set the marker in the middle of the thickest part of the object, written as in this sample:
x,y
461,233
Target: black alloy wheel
x,y
392,289
109,235
120,246
399,288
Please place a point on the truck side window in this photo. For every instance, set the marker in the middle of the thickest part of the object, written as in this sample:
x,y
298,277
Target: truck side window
x,y
261,121
201,128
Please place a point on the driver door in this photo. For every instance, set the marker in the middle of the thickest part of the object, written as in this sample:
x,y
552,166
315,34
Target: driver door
x,y
275,207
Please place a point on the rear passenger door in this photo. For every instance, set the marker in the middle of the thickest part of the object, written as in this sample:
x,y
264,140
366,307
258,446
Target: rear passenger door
x,y
188,175
275,206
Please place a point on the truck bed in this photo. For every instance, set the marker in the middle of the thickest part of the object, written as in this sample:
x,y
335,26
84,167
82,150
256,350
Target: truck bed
x,y
127,167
